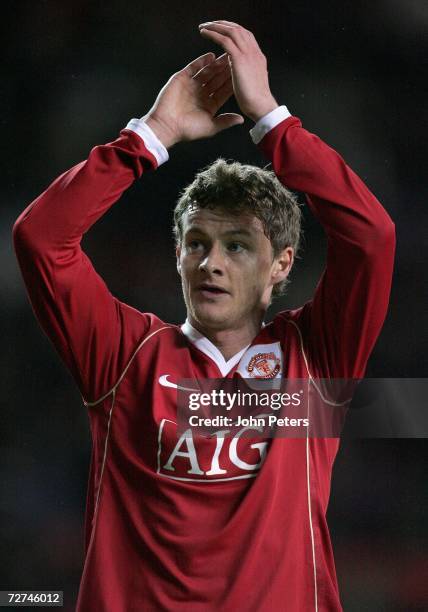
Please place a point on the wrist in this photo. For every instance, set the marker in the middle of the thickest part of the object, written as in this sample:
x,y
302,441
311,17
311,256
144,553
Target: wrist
x,y
161,130
263,108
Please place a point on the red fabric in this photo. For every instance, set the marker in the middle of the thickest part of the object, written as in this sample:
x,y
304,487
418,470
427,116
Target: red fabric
x,y
181,539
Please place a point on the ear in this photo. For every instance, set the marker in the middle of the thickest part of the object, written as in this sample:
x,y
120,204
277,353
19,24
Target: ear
x,y
282,265
178,253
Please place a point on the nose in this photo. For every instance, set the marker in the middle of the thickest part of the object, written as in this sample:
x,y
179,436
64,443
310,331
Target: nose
x,y
213,261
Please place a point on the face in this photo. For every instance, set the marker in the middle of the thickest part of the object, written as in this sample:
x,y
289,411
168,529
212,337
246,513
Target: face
x,y
227,269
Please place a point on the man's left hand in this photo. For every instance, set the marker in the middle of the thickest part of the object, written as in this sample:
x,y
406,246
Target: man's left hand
x,y
248,65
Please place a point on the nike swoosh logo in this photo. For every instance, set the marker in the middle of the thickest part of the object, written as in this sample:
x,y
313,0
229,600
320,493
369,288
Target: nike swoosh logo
x,y
163,380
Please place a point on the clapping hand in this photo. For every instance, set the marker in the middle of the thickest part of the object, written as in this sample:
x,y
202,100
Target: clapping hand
x,y
186,107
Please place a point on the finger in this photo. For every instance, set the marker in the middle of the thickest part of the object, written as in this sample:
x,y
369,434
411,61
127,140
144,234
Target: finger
x,y
208,72
224,41
211,86
221,60
243,30
227,120
198,63
223,93
224,22
215,77
219,27
240,35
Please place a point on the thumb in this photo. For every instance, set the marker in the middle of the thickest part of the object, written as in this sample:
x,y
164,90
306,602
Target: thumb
x,y
227,120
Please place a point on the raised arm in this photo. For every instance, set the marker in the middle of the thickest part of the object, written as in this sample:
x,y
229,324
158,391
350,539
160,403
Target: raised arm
x,y
94,332
342,322
340,325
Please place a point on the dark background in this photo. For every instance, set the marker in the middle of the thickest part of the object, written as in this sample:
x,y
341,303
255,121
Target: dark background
x,y
74,73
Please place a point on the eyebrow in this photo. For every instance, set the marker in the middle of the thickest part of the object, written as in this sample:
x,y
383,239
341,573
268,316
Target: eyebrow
x,y
232,232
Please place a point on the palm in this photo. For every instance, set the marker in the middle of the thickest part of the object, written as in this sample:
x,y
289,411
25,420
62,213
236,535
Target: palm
x,y
198,109
189,101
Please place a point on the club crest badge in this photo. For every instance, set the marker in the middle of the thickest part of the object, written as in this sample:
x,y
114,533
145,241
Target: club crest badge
x,y
262,362
264,365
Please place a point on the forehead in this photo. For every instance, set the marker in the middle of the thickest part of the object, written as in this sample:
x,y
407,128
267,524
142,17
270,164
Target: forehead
x,y
219,221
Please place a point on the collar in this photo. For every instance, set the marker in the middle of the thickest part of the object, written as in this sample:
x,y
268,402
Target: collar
x,y
208,348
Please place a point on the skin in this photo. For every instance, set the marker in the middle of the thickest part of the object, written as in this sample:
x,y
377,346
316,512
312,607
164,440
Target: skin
x,y
226,262
186,107
228,271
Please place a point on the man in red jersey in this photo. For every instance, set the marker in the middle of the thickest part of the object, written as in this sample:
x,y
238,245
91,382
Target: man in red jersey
x,y
197,524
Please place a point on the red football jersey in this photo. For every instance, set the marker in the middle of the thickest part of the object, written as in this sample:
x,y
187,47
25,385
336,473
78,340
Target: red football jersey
x,y
190,523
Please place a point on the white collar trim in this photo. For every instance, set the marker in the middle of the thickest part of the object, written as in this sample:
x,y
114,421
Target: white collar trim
x,y
208,348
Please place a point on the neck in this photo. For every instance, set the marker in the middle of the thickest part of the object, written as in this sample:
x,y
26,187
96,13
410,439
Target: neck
x,y
229,341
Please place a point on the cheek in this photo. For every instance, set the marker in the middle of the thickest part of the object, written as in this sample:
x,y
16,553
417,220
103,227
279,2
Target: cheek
x,y
248,278
258,277
184,264
187,269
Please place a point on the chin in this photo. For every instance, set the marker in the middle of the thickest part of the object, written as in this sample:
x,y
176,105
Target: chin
x,y
212,317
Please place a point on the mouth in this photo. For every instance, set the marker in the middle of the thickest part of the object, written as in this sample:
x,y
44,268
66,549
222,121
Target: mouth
x,y
211,291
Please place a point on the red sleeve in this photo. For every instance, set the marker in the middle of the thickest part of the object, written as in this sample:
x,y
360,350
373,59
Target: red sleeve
x,y
93,332
342,322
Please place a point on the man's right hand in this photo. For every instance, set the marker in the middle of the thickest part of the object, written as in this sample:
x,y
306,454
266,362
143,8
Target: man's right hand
x,y
186,106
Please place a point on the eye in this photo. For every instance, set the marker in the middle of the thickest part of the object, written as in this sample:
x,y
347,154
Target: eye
x,y
194,245
235,247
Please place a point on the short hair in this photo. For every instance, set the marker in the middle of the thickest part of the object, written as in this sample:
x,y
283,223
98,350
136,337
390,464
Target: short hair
x,y
238,188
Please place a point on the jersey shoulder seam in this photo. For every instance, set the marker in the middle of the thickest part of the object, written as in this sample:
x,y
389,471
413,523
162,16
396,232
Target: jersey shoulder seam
x,y
131,359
